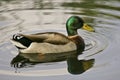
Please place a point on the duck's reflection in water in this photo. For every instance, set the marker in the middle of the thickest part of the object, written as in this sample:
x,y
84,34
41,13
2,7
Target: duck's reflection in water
x,y
75,66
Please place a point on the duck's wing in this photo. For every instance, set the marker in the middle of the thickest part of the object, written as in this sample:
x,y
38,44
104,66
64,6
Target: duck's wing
x,y
49,37
48,48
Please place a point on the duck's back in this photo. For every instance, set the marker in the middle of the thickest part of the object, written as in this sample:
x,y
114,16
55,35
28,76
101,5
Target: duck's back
x,y
50,37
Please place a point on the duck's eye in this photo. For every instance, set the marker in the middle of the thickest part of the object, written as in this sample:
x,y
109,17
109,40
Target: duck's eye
x,y
17,37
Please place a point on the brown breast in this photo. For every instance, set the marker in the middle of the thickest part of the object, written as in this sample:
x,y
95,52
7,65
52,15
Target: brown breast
x,y
79,43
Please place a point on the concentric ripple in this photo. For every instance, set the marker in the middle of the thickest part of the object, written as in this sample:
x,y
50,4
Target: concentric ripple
x,y
95,43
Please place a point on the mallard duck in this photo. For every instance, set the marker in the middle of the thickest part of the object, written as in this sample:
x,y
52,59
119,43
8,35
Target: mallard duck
x,y
52,46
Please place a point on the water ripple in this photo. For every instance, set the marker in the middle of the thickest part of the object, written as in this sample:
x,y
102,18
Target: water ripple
x,y
95,43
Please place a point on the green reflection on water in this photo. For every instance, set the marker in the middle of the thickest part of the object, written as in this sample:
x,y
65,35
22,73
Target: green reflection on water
x,y
90,4
6,0
90,7
76,66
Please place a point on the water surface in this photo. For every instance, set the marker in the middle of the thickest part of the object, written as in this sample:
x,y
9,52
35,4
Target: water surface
x,y
32,16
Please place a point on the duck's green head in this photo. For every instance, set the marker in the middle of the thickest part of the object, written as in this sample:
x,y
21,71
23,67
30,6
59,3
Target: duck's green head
x,y
74,23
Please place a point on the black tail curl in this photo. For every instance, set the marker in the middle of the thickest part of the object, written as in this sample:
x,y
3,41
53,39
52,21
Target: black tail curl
x,y
21,39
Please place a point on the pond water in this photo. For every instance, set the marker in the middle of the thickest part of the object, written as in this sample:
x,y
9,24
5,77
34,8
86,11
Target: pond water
x,y
32,16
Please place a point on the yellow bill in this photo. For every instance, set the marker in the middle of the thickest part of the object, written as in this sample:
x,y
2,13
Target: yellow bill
x,y
88,28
